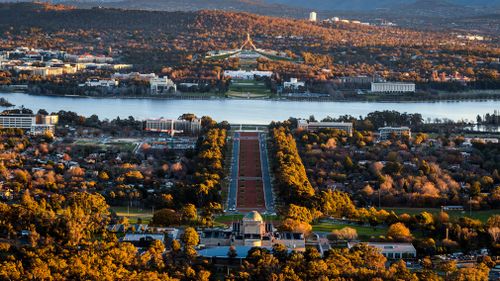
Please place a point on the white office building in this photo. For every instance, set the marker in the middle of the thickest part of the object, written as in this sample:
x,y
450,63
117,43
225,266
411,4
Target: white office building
x,y
35,124
162,85
19,121
392,251
313,16
105,83
386,133
293,84
393,87
314,126
246,74
174,126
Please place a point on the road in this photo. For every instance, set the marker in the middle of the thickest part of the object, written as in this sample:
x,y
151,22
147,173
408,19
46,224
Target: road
x,y
233,184
266,177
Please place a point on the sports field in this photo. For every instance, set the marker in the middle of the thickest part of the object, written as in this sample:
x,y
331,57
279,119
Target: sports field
x,y
133,213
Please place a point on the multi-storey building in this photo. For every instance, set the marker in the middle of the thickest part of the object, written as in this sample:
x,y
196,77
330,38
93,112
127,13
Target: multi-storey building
x,y
162,85
246,74
314,126
386,133
106,83
174,126
392,251
393,87
35,124
293,84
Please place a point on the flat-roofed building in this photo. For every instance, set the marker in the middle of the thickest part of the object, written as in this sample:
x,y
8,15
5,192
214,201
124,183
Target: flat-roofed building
x,y
247,74
47,119
386,133
392,87
356,79
35,124
392,251
18,121
134,76
293,84
314,126
143,240
106,83
38,129
172,125
162,85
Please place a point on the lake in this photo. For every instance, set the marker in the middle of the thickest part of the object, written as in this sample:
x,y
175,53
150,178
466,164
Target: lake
x,y
244,111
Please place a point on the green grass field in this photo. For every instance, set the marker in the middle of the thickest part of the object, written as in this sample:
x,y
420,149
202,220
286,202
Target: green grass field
x,y
482,215
363,231
120,145
133,214
255,88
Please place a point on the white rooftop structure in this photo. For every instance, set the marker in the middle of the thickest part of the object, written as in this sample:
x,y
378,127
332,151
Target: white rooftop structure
x,y
106,83
391,250
385,133
247,74
293,84
161,85
313,126
392,87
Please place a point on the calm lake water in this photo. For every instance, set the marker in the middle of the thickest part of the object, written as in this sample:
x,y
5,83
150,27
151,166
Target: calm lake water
x,y
244,111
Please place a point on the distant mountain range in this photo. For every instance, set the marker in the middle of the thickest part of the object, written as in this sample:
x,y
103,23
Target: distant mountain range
x,y
301,8
252,6
269,5
366,5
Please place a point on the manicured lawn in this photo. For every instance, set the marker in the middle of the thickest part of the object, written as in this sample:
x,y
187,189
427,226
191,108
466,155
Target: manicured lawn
x,y
482,215
363,231
248,86
133,214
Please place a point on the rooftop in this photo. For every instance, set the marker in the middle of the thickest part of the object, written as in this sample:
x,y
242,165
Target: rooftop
x,y
388,247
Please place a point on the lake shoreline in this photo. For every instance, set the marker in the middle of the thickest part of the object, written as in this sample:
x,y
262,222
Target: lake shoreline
x,y
246,111
380,99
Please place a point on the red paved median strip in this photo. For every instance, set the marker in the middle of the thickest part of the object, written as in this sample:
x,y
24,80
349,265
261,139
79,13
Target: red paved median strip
x,y
250,188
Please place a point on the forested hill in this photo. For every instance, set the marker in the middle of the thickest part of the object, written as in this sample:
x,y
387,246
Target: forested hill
x,y
252,6
50,18
202,30
217,25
